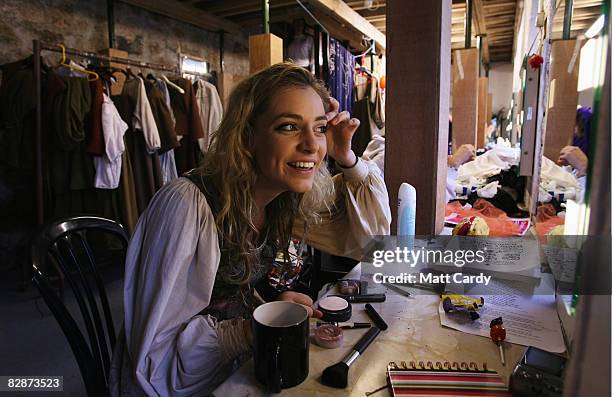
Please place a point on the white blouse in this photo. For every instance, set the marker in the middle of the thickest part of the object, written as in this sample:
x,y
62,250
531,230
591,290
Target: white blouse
x,y
108,166
169,349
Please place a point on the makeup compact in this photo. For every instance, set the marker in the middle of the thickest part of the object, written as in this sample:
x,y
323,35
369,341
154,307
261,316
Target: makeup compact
x,y
335,309
328,336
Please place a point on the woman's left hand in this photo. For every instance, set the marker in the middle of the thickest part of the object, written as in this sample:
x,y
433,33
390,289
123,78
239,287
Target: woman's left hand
x,y
302,299
340,130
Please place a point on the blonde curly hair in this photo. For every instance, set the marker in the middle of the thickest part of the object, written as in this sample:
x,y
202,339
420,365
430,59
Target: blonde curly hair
x,y
231,167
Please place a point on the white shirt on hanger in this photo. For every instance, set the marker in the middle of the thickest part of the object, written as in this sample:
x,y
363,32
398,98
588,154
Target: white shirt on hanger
x,y
108,166
211,111
143,120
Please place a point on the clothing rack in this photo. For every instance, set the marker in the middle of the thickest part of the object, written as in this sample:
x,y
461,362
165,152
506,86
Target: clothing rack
x,y
38,47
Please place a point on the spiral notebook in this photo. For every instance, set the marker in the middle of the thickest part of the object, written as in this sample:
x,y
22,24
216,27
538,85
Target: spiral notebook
x,y
444,379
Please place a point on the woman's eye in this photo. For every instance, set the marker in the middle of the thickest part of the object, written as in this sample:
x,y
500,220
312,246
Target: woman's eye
x,y
322,129
287,127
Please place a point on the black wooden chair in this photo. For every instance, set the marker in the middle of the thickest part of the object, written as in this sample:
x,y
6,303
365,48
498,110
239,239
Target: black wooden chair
x,y
63,246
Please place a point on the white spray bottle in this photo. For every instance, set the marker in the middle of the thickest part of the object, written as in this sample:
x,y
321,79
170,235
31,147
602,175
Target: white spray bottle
x,y
406,212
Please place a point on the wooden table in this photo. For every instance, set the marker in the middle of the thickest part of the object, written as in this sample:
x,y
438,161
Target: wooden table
x,y
414,334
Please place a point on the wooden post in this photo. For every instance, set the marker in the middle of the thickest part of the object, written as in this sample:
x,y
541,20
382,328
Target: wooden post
x,y
489,106
418,44
465,96
483,88
563,97
264,50
227,82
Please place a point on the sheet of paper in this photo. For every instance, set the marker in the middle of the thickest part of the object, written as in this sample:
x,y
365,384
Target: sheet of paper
x,y
563,262
508,258
530,320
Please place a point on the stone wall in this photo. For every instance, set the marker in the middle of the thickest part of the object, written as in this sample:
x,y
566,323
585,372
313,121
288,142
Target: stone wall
x,y
82,24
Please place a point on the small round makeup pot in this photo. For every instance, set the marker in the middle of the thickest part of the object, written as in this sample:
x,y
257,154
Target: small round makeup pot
x,y
335,309
328,336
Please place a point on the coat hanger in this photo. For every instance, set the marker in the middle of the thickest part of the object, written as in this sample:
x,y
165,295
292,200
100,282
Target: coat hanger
x,y
371,48
106,75
171,84
93,75
129,73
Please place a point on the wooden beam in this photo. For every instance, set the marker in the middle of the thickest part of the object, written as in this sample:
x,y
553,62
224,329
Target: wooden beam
x,y
264,50
481,29
465,97
482,117
417,141
238,10
351,17
339,30
254,21
518,16
563,98
184,13
380,11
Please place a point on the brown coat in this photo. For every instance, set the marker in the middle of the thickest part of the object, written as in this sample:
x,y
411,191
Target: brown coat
x,y
162,116
188,124
95,144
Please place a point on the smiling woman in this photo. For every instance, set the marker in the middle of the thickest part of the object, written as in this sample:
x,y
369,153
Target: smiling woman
x,y
206,242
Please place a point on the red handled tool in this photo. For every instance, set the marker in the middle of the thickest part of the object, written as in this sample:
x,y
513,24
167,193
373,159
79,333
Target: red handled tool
x,y
498,335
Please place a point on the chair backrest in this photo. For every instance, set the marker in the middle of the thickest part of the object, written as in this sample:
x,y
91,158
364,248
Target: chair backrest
x,y
64,246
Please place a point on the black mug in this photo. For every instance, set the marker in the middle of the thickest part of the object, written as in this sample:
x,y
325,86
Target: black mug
x,y
280,344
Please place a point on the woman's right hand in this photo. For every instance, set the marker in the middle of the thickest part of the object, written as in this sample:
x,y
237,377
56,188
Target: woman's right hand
x,y
462,155
575,157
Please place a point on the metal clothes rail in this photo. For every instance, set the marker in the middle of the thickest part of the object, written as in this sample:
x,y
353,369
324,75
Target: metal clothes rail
x,y
38,47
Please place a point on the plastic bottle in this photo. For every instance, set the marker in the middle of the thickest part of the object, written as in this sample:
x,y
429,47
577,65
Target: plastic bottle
x,y
406,213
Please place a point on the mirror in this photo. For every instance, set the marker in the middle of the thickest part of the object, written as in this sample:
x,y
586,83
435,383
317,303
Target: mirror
x,y
484,148
577,70
576,78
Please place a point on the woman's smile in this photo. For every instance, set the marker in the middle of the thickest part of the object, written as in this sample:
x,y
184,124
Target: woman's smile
x,y
290,142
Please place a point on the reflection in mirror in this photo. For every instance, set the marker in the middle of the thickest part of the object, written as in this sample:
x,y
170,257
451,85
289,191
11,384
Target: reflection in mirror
x,y
577,69
542,93
576,77
483,161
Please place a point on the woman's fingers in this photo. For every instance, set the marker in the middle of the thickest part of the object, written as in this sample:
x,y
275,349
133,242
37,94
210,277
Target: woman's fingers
x,y
312,312
349,126
303,300
341,118
334,106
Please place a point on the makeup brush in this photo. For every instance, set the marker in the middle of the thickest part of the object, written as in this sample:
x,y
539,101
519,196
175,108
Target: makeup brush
x,y
337,374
